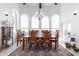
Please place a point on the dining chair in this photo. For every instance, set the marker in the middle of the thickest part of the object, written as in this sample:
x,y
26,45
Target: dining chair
x,y
19,37
32,39
47,39
56,40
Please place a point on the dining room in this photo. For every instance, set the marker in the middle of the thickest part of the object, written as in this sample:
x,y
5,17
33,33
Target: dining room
x,y
38,29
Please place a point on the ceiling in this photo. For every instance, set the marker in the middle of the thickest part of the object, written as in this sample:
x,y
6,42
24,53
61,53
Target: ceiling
x,y
43,4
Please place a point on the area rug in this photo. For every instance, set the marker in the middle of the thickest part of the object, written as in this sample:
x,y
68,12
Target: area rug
x,y
52,52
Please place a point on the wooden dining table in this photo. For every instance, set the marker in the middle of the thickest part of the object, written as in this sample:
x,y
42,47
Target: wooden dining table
x,y
26,38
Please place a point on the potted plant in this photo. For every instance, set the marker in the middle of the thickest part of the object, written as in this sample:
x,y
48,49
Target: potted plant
x,y
67,45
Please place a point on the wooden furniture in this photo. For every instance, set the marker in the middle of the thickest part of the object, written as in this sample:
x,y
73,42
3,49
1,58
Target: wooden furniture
x,y
47,39
7,36
32,39
19,37
56,38
37,39
26,39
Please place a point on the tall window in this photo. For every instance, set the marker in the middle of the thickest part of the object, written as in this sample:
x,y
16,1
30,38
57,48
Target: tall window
x,y
66,31
45,22
34,22
55,22
24,23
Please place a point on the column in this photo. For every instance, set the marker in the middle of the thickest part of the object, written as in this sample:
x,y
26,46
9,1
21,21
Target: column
x,y
29,26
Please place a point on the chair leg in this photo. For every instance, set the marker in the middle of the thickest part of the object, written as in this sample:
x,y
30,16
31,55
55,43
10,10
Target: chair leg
x,y
56,44
20,42
17,43
29,47
49,46
46,46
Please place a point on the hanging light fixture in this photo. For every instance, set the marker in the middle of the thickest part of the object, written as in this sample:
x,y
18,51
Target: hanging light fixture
x,y
6,13
24,3
39,13
75,12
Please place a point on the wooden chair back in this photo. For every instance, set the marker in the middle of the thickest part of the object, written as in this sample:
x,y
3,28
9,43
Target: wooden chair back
x,y
57,34
18,34
47,35
19,37
32,35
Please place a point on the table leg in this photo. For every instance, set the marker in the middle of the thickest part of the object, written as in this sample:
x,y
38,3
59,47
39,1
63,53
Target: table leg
x,y
23,43
12,41
56,43
17,42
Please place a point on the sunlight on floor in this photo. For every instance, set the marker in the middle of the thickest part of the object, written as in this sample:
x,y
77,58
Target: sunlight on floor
x,y
9,50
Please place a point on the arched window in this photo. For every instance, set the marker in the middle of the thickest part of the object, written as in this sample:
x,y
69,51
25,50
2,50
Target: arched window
x,y
45,22
55,22
24,23
34,22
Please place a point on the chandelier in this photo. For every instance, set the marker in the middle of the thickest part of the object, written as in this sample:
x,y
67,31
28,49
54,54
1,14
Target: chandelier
x,y
39,13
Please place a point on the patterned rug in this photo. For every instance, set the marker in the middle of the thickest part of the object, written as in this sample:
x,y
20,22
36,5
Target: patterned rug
x,y
59,52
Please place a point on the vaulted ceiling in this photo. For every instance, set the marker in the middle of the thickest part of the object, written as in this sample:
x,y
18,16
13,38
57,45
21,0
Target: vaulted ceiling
x,y
42,4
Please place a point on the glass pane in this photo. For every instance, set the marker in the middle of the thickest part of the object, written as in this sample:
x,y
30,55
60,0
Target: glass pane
x,y
25,32
45,22
66,32
55,21
35,22
24,21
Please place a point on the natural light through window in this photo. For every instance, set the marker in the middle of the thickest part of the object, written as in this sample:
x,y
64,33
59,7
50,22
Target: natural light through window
x,y
45,22
34,22
55,21
24,21
24,24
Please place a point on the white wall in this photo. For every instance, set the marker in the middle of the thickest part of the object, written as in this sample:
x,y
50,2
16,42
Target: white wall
x,y
66,16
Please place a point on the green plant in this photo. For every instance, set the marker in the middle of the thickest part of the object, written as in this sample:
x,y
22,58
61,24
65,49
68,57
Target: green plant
x,y
73,46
